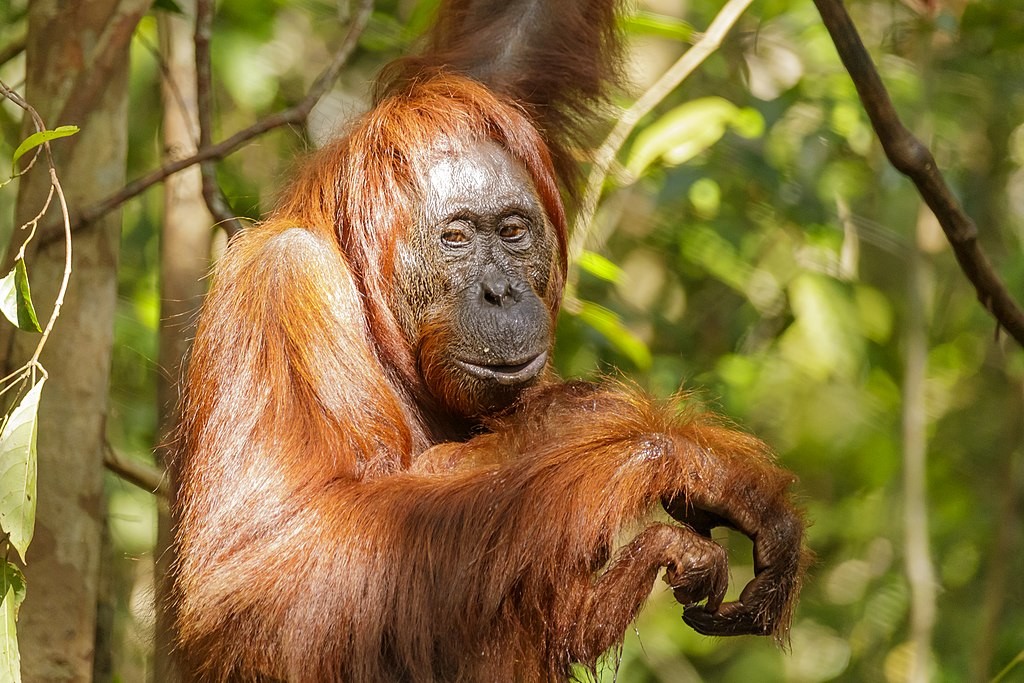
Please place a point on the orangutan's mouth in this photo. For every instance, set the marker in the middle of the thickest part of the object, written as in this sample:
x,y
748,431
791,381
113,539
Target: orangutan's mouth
x,y
511,373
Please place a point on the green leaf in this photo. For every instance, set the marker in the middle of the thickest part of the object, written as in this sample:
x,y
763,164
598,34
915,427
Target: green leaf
x,y
16,299
689,129
599,266
706,248
682,133
36,139
651,24
706,197
748,122
610,326
12,588
18,470
13,581
421,17
383,33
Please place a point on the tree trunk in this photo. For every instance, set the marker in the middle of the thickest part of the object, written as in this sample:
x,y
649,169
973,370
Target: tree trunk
x,y
184,261
77,73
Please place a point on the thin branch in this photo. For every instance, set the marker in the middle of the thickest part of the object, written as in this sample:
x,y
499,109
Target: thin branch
x,y
1019,659
170,81
146,477
55,188
292,116
327,77
12,95
708,43
913,159
914,418
215,200
66,277
13,49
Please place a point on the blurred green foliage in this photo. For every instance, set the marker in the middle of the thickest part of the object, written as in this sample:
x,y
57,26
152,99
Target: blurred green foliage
x,y
756,254
769,273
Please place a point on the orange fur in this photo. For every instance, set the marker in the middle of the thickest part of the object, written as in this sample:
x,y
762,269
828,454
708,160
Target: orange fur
x,y
334,525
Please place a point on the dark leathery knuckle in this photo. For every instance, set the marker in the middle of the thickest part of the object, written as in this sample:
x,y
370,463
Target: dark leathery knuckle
x,y
732,618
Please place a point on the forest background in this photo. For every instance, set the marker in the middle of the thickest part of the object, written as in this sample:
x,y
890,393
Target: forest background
x,y
753,245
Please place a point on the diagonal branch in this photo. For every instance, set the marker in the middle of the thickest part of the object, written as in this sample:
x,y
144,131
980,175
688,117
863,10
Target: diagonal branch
x,y
13,49
291,116
605,155
913,159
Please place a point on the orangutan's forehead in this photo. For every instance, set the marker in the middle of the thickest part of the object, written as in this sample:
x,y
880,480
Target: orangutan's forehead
x,y
474,172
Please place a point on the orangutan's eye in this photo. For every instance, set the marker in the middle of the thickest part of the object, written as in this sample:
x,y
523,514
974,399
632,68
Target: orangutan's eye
x,y
514,229
456,234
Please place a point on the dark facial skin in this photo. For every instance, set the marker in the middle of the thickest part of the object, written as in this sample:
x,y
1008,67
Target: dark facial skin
x,y
472,279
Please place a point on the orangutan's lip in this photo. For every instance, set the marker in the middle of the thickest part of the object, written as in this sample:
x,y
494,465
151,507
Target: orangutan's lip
x,y
512,373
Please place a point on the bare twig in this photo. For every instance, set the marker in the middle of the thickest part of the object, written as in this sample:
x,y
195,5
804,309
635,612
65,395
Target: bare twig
x,y
1019,659
144,476
913,159
215,200
37,121
13,49
291,116
605,155
171,83
917,554
66,278
12,95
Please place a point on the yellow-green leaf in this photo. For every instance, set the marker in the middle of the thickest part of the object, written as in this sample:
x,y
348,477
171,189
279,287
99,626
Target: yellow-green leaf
x,y
651,24
36,139
12,588
705,247
610,326
682,133
18,470
16,299
748,123
599,266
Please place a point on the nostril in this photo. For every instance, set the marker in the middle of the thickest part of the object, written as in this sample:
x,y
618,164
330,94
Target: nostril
x,y
495,288
515,292
493,298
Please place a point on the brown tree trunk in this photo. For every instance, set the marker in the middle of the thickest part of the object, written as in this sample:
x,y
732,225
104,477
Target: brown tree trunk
x,y
77,73
185,258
